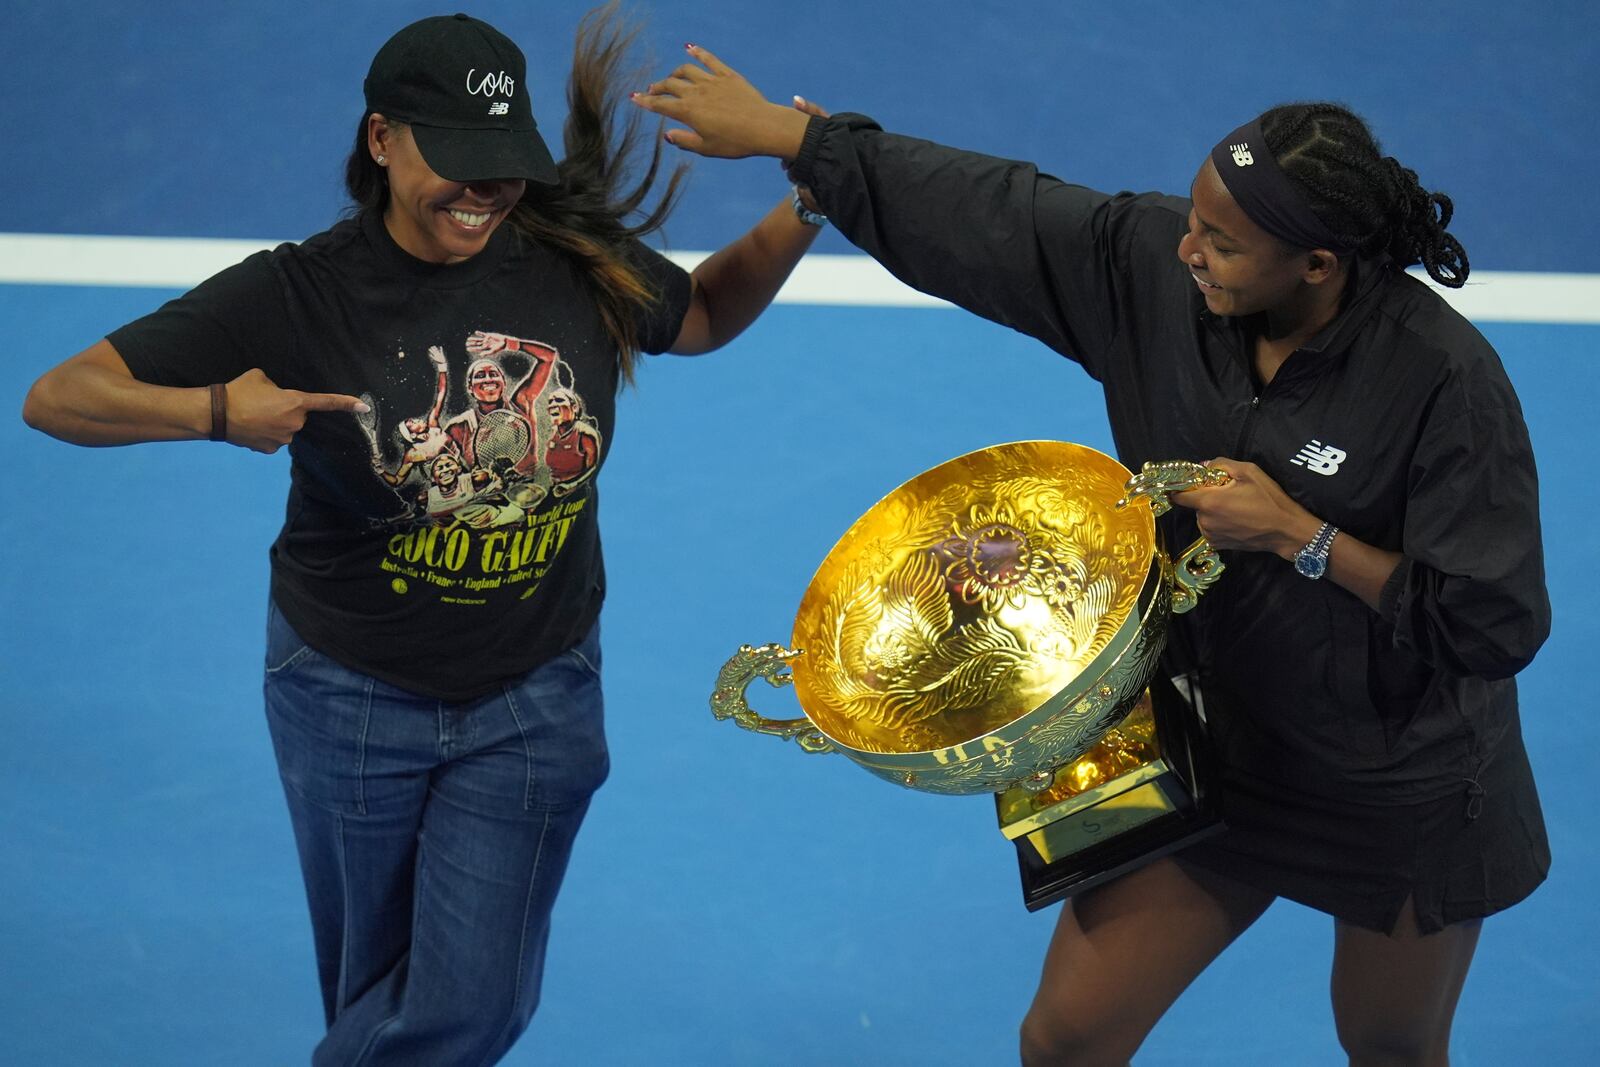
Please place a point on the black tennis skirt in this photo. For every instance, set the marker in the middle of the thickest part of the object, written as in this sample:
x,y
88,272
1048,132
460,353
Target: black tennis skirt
x,y
1460,858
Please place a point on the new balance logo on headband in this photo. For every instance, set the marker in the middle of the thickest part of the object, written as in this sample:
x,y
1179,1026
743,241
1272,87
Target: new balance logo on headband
x,y
1241,155
500,108
1316,456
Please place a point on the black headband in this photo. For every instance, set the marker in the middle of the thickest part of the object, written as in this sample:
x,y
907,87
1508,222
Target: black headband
x,y
1265,193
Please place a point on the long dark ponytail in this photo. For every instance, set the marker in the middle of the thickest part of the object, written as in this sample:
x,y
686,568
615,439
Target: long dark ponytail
x,y
1369,199
585,216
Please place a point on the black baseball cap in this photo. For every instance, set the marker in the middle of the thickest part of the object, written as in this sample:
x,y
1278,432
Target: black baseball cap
x,y
459,84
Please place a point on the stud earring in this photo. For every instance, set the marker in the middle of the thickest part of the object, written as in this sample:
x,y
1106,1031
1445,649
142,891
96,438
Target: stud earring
x,y
382,160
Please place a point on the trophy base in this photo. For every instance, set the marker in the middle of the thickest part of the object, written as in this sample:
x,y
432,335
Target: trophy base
x,y
1138,795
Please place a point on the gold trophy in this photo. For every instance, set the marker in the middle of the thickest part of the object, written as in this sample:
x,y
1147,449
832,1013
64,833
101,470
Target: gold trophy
x,y
994,625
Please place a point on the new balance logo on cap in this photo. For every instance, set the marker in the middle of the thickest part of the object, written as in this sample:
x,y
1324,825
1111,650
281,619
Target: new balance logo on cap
x,y
1241,155
498,84
1316,456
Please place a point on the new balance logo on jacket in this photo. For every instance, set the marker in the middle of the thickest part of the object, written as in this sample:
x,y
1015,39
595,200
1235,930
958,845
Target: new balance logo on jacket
x,y
1316,456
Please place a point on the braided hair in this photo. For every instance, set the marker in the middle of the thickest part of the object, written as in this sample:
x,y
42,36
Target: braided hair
x,y
1369,199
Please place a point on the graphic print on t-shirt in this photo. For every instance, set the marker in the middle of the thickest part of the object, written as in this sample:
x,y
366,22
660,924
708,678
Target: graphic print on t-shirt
x,y
486,482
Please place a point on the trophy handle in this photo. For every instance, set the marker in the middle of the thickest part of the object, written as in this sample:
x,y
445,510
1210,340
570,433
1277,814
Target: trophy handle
x,y
1196,571
728,699
1155,480
1199,567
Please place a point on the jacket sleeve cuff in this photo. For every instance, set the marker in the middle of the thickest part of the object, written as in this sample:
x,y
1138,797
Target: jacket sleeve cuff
x,y
803,169
1393,587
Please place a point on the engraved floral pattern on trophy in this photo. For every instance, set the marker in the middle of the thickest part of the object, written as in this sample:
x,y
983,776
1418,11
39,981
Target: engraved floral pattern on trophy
x,y
1064,736
972,606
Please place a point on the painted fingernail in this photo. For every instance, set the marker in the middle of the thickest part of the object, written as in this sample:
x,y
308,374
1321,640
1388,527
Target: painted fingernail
x,y
691,47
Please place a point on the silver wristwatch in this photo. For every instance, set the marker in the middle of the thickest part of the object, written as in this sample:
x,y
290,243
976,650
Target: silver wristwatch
x,y
1312,560
805,214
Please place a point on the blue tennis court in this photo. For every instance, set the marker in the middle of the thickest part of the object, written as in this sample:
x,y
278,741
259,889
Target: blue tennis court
x,y
732,900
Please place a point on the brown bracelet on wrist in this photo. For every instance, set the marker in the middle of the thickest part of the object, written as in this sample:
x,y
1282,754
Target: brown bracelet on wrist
x,y
219,412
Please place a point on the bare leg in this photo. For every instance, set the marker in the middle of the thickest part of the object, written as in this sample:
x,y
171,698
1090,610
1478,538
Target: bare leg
x,y
1122,953
1394,996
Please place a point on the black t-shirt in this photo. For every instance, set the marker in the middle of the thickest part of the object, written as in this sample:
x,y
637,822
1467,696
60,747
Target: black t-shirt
x,y
448,539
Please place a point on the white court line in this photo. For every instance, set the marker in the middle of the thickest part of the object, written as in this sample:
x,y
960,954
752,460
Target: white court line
x,y
849,280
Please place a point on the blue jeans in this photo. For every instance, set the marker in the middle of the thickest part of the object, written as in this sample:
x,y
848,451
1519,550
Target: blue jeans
x,y
433,838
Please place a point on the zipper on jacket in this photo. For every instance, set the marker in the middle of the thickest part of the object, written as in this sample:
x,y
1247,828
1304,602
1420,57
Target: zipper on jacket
x,y
1249,424
1256,396
1238,347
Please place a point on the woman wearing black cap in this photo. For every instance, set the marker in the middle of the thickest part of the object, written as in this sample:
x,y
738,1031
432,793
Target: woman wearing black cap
x,y
432,669
1385,573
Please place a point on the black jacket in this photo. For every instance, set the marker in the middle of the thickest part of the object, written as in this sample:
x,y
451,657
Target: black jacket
x,y
1397,424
